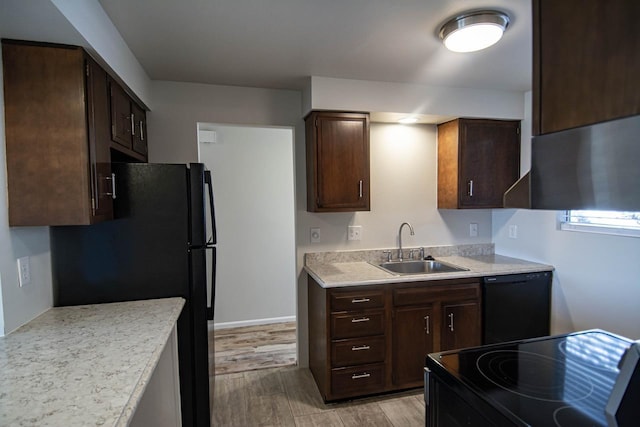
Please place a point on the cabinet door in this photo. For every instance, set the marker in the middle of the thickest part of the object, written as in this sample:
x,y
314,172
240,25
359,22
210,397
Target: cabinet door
x,y
340,162
489,161
99,152
121,118
585,62
413,331
139,130
460,325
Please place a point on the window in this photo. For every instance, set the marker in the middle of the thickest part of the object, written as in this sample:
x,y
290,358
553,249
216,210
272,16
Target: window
x,y
605,222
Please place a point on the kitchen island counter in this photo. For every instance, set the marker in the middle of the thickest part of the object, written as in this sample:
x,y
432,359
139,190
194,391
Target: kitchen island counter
x,y
83,365
354,273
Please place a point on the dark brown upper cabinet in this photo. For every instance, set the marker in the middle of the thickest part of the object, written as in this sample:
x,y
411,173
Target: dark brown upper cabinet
x,y
337,146
478,160
585,62
57,135
128,123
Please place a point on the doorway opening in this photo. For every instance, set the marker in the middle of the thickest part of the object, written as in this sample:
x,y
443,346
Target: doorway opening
x,y
252,170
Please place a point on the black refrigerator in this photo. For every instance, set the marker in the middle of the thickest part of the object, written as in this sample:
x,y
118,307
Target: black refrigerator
x,y
155,247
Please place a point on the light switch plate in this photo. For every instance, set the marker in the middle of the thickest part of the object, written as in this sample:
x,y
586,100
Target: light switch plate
x,y
473,230
513,231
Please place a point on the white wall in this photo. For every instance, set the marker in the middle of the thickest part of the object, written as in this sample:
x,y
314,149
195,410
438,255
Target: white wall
x,y
597,277
252,171
403,188
360,95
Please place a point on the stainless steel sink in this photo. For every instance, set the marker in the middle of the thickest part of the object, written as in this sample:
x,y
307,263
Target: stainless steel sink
x,y
419,267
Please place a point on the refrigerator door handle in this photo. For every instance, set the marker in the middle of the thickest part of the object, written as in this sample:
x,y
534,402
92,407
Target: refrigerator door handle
x,y
210,306
207,179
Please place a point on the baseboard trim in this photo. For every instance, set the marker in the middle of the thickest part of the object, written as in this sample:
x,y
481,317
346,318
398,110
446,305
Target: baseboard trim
x,y
253,322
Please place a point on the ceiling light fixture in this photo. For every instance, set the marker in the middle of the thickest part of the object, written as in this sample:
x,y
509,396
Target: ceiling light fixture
x,y
473,31
408,120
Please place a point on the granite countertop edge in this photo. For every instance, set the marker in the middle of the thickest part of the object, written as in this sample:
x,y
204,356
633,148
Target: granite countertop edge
x,y
154,358
84,365
358,273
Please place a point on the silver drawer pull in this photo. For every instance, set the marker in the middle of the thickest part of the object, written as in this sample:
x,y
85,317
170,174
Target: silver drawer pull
x,y
362,319
362,347
358,300
365,375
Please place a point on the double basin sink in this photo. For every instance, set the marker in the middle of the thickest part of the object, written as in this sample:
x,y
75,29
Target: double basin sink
x,y
403,268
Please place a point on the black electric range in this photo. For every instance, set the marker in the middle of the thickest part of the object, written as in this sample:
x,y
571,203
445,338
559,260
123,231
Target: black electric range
x,y
550,381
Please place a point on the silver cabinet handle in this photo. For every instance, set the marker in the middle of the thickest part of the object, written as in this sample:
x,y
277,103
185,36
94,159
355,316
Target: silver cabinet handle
x,y
362,319
426,324
365,375
111,178
362,347
471,188
451,322
360,188
359,300
141,131
133,126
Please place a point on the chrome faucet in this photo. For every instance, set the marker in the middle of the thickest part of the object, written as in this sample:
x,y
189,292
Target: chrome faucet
x,y
400,238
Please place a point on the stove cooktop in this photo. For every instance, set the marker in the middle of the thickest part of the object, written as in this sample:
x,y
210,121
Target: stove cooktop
x,y
562,381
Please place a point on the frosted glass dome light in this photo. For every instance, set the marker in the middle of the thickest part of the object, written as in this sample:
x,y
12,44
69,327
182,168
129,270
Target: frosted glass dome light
x,y
474,31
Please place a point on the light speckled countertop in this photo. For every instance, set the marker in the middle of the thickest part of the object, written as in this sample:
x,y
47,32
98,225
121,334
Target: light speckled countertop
x,y
353,273
85,365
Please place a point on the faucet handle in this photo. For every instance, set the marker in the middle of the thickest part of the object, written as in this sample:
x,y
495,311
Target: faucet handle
x,y
411,251
421,252
388,253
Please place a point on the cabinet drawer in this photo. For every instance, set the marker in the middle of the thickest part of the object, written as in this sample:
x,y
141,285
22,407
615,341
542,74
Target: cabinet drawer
x,y
361,324
357,351
431,293
357,381
357,300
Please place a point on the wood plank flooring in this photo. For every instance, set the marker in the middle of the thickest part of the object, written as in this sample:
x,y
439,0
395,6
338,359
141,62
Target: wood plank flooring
x,y
289,397
254,347
251,388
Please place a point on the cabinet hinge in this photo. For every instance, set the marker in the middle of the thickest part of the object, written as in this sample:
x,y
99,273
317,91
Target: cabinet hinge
x,y
518,130
86,67
93,205
316,122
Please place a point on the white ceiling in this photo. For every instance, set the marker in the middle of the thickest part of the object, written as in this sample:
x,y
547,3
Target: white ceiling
x,y
279,43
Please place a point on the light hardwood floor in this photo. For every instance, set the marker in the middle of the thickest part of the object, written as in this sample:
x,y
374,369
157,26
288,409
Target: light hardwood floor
x,y
247,394
289,397
254,347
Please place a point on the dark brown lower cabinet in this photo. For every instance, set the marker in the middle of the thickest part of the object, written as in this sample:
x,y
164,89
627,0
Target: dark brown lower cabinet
x,y
461,325
372,339
413,338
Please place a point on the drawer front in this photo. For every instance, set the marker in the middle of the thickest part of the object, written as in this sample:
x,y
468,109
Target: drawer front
x,y
357,381
431,293
357,351
357,300
351,325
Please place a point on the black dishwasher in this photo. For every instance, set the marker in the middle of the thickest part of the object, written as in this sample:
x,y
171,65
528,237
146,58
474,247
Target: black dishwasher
x,y
516,307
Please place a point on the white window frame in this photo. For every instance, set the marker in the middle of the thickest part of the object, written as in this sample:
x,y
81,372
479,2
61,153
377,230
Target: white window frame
x,y
567,225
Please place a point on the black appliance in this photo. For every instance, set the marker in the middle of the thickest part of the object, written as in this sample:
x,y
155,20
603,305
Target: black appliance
x,y
516,307
565,380
156,247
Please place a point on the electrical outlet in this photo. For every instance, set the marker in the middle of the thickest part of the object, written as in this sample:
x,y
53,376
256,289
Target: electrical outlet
x,y
354,232
513,231
315,235
24,271
473,229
